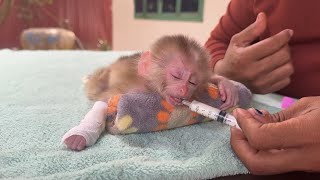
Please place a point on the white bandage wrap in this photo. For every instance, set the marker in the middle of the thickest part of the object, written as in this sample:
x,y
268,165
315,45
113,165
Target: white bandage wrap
x,y
92,125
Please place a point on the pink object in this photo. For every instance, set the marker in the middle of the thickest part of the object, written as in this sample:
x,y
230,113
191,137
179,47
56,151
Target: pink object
x,y
287,102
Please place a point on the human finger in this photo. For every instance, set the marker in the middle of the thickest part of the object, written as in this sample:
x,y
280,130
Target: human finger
x,y
297,131
274,80
275,161
274,61
258,115
274,86
251,33
274,44
285,70
268,116
300,107
257,133
240,145
261,115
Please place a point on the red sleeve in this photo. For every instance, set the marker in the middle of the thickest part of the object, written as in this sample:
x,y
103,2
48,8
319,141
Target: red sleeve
x,y
239,15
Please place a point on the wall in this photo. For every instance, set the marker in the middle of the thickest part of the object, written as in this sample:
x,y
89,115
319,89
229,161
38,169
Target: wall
x,y
90,21
137,34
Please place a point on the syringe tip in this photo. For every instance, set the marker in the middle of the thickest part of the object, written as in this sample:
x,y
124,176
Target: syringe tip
x,y
185,102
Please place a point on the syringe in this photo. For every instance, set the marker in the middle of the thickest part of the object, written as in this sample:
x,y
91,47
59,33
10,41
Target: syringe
x,y
212,113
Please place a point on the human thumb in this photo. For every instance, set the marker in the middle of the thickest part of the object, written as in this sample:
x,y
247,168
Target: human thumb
x,y
252,32
245,120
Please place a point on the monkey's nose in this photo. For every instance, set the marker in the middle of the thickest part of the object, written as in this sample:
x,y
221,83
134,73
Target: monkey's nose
x,y
183,91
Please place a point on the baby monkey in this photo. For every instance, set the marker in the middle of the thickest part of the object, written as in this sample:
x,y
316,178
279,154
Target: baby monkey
x,y
176,67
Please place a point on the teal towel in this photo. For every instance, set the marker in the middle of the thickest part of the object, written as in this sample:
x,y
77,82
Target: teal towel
x,y
41,98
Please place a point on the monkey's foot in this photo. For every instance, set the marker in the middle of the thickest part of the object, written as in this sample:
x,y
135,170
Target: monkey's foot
x,y
90,131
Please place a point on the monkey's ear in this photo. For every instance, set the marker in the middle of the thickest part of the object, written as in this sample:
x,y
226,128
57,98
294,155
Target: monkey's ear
x,y
144,62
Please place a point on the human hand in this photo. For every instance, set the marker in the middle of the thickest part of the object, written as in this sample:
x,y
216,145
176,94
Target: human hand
x,y
75,142
265,66
229,93
289,142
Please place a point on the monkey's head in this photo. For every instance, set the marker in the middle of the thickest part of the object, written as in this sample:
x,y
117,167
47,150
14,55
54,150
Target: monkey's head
x,y
176,67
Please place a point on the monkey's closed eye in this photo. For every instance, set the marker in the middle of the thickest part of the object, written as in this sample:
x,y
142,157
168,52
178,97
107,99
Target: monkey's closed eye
x,y
193,83
175,77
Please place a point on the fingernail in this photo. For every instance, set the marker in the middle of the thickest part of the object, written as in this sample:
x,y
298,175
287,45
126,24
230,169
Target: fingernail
x,y
259,17
291,32
236,112
258,111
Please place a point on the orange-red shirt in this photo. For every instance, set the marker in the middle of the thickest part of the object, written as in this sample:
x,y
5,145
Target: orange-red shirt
x,y
300,16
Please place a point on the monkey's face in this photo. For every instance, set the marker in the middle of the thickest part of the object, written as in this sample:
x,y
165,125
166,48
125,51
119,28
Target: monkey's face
x,y
181,81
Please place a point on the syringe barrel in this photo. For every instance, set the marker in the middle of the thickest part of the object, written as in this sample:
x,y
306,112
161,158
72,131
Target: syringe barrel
x,y
213,113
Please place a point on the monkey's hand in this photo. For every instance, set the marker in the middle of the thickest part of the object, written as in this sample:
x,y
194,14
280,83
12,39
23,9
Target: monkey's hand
x,y
229,93
89,129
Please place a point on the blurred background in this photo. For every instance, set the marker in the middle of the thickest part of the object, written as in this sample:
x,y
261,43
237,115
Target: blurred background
x,y
103,24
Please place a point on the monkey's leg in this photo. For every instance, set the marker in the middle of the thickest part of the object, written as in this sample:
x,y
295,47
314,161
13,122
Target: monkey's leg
x,y
97,83
92,125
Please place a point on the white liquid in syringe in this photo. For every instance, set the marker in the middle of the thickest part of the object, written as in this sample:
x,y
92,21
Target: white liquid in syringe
x,y
212,113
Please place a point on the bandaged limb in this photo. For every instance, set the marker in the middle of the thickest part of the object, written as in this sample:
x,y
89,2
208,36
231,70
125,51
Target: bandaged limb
x,y
92,125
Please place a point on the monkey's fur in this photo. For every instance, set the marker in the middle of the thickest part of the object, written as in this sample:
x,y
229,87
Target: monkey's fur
x,y
122,76
118,78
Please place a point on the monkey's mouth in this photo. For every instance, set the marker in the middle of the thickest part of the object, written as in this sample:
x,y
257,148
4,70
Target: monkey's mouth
x,y
175,100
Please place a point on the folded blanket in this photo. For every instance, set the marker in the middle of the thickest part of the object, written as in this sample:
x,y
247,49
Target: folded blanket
x,y
41,97
140,112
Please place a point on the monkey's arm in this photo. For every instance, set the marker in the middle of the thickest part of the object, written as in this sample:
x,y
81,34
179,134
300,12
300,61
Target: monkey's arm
x,y
92,125
235,94
228,91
